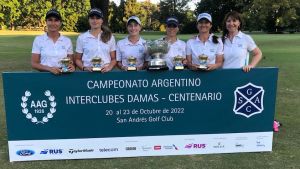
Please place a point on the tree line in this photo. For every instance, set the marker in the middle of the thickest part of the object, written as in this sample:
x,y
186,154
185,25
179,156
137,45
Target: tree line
x,y
273,16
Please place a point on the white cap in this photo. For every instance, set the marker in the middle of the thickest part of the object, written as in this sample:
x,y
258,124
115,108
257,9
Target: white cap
x,y
204,16
135,18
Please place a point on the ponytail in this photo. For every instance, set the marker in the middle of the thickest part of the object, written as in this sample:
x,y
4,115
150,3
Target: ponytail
x,y
215,39
106,33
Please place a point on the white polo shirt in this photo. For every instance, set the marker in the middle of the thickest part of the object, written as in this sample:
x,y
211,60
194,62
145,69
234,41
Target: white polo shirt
x,y
126,49
175,49
51,53
236,53
196,47
91,46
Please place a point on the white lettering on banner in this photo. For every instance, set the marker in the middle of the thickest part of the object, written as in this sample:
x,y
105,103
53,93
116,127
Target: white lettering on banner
x,y
142,98
38,104
102,99
176,82
179,97
249,92
142,83
107,84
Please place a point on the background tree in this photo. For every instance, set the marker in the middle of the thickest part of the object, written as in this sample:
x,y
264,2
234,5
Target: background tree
x,y
11,12
103,5
178,8
218,9
274,15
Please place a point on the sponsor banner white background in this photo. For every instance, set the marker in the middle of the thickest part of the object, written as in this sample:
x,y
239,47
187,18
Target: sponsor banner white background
x,y
140,146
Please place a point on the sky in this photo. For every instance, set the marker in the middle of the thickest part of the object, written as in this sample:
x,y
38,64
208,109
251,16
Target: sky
x,y
191,4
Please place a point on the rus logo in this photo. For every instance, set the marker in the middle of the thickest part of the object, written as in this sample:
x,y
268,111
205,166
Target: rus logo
x,y
248,100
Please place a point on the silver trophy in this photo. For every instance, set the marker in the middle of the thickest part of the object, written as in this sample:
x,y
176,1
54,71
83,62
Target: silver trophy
x,y
157,50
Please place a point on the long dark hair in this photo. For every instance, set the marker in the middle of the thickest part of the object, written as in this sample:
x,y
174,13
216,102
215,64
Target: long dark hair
x,y
106,33
234,15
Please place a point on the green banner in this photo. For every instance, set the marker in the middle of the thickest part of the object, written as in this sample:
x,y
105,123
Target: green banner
x,y
41,106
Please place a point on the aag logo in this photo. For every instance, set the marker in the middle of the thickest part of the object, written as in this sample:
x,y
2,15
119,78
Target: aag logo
x,y
248,100
38,111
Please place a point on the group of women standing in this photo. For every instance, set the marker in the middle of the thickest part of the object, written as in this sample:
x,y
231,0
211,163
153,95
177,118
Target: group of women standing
x,y
230,51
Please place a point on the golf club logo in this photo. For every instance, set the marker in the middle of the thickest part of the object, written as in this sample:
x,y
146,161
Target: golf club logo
x,y
43,110
248,100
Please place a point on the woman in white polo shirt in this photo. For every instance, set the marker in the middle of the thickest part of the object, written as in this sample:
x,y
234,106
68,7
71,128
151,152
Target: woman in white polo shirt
x,y
204,44
132,46
177,46
96,42
48,49
237,45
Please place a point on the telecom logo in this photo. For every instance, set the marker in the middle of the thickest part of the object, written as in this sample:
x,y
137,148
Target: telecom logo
x,y
52,151
106,150
248,100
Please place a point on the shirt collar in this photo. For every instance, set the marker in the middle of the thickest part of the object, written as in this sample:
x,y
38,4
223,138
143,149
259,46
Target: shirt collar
x,y
239,35
210,38
89,35
164,38
127,42
46,37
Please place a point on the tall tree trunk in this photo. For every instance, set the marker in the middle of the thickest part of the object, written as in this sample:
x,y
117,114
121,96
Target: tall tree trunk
x,y
103,5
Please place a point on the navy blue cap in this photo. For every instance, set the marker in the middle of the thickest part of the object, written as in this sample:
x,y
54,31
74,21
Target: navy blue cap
x,y
172,20
95,11
53,13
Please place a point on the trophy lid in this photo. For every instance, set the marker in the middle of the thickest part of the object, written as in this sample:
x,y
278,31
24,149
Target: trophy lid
x,y
203,57
65,60
97,59
131,58
178,58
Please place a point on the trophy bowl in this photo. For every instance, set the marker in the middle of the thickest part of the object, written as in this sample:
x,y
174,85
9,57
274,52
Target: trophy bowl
x,y
178,65
203,60
131,63
157,50
96,64
64,65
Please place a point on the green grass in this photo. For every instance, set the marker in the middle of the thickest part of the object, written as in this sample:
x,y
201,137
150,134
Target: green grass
x,y
282,51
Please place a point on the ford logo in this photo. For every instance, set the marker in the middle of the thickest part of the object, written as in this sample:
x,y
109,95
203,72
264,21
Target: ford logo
x,y
25,152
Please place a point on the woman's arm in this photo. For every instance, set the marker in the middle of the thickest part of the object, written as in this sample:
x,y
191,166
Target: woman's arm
x,y
218,63
256,57
36,64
